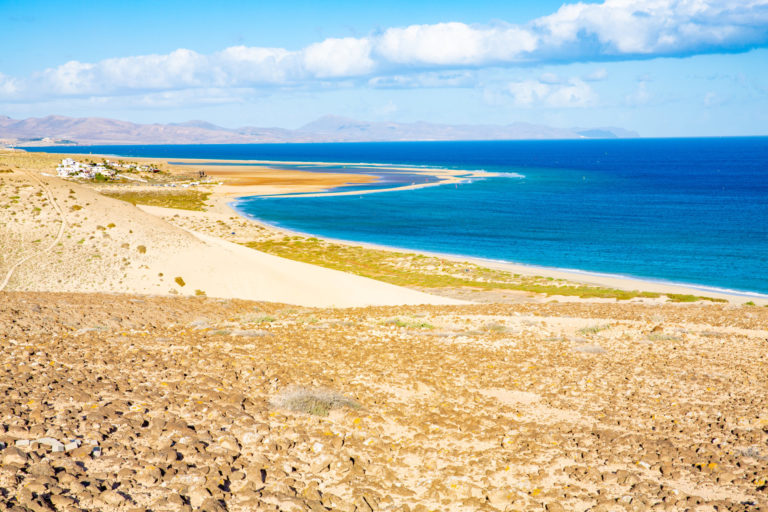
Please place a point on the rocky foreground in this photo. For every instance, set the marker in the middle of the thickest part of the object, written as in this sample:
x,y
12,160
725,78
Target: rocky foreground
x,y
115,402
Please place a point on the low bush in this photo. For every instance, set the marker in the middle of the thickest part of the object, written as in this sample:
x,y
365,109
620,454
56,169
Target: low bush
x,y
314,401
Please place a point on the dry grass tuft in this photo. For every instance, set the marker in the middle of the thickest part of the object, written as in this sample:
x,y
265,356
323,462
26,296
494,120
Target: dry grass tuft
x,y
410,324
594,329
314,401
590,349
184,200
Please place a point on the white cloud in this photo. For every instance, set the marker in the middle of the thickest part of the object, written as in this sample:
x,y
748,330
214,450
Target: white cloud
x,y
424,80
654,27
451,44
550,78
179,68
70,78
8,85
405,56
597,75
576,93
532,93
339,58
528,92
253,65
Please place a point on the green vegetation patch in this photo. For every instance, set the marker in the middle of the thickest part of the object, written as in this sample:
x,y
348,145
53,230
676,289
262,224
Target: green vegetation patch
x,y
179,199
680,297
420,271
594,329
410,324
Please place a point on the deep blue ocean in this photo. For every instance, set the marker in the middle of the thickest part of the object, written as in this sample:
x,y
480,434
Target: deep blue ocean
x,y
691,211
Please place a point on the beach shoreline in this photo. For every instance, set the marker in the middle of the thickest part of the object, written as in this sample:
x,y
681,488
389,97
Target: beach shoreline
x,y
238,182
629,283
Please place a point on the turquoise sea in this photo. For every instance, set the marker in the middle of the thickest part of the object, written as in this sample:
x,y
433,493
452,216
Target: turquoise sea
x,y
691,211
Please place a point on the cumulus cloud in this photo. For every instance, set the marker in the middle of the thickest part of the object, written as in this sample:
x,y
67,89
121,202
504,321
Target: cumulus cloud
x,y
404,56
339,58
179,69
241,65
653,27
585,32
561,94
454,44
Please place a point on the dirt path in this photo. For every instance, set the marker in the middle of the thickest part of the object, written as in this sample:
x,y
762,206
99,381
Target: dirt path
x,y
55,241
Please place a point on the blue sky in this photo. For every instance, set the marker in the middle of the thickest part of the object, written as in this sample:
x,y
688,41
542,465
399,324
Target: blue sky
x,y
660,67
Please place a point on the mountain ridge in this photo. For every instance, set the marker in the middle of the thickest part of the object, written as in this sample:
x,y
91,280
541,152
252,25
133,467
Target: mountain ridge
x,y
55,129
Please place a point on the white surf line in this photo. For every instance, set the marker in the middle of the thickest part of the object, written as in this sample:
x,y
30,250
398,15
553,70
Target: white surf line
x,y
451,179
56,240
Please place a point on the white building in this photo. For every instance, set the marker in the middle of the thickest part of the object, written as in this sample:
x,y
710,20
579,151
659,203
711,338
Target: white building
x,y
68,168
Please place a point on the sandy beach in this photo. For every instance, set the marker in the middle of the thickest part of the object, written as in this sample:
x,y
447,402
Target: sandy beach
x,y
112,246
149,273
171,359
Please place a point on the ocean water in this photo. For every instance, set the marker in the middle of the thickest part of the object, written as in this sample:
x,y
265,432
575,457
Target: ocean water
x,y
691,211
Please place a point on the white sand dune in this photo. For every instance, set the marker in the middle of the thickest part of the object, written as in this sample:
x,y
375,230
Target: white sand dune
x,y
62,236
225,269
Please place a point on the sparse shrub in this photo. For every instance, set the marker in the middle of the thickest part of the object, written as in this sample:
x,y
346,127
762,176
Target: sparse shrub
x,y
494,327
179,281
594,329
142,249
411,325
662,337
749,303
318,401
200,293
111,225
75,207
264,319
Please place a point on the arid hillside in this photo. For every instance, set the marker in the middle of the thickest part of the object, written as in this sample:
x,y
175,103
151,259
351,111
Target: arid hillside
x,y
194,403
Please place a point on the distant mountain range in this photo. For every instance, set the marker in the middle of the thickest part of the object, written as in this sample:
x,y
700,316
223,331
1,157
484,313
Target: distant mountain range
x,y
95,130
